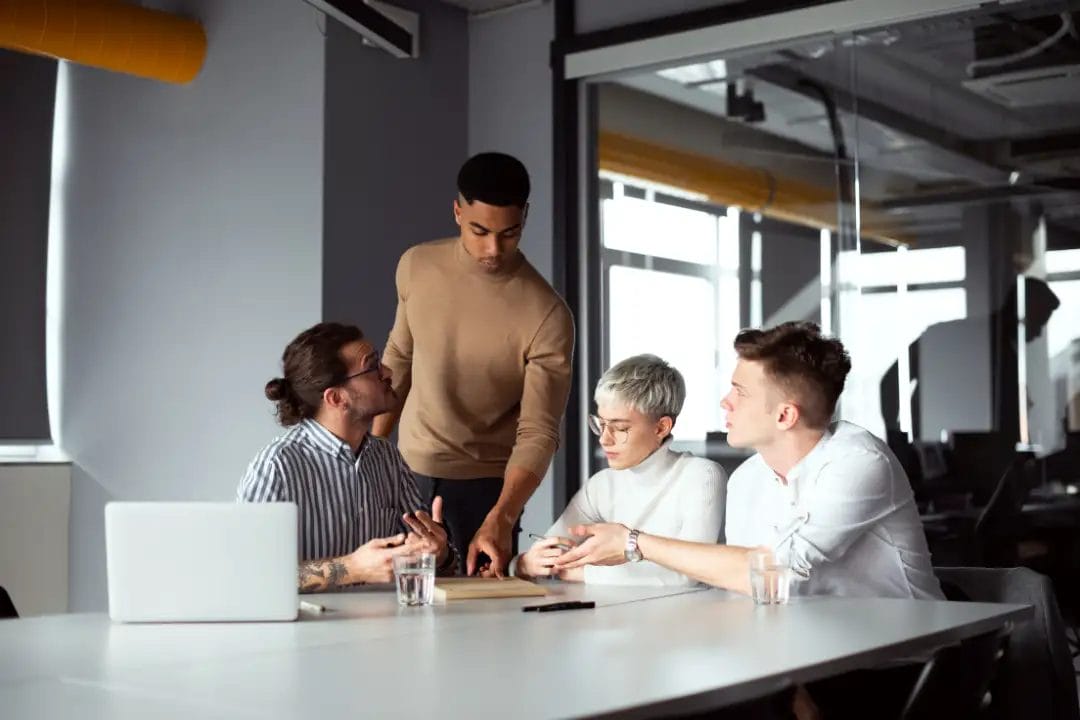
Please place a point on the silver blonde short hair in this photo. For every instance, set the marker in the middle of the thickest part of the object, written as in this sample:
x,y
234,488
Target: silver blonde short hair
x,y
645,383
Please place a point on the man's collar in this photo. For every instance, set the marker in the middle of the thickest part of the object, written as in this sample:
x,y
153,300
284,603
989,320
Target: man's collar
x,y
327,441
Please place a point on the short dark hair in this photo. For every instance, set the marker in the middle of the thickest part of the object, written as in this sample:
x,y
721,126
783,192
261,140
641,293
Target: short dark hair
x,y
805,363
494,178
312,363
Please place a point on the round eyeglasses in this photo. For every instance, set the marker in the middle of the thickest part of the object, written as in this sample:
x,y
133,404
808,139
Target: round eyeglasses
x,y
620,434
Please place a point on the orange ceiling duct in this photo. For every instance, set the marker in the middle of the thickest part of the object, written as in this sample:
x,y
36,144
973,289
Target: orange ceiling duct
x,y
108,34
753,189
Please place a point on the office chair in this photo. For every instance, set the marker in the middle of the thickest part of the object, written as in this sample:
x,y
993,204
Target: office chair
x,y
956,682
1034,678
998,529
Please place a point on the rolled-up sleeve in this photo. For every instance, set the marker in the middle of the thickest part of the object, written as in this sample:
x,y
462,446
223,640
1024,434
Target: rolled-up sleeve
x,y
850,495
548,368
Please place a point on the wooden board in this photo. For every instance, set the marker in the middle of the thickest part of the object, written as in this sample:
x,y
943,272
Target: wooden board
x,y
469,588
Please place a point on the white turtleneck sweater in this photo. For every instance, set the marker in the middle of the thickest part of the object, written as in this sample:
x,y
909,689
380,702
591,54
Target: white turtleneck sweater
x,y
672,494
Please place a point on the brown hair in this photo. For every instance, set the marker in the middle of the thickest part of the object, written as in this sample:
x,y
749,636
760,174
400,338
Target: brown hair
x,y
312,363
807,365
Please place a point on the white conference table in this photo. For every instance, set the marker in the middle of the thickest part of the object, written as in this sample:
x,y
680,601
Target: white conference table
x,y
642,652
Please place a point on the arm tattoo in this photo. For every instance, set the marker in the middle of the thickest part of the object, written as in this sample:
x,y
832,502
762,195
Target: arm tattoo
x,y
337,574
326,574
310,576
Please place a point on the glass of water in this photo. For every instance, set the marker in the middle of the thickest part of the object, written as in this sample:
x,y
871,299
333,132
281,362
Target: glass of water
x,y
770,578
414,575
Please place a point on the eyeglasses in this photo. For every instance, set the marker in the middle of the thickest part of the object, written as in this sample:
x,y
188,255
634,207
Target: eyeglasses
x,y
374,368
599,426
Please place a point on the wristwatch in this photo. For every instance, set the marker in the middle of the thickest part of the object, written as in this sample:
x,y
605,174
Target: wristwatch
x,y
632,554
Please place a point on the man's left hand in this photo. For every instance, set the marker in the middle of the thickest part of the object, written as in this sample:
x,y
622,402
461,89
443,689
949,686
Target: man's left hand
x,y
494,540
605,546
428,533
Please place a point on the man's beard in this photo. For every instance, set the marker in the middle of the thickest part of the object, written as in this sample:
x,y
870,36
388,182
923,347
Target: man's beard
x,y
361,413
364,412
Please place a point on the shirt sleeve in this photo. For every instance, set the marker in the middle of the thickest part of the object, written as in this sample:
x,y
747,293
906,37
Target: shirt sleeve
x,y
548,367
264,481
704,518
397,355
849,497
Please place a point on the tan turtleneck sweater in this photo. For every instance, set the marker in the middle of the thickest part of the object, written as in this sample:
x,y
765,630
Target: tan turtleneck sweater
x,y
483,362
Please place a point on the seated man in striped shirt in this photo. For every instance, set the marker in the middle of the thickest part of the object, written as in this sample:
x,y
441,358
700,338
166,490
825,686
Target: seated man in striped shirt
x,y
358,503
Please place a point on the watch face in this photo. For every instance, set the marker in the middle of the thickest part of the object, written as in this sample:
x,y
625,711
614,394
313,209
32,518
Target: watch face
x,y
633,555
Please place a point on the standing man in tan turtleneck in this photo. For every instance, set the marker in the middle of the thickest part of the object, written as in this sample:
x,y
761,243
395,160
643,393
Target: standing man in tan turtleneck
x,y
481,354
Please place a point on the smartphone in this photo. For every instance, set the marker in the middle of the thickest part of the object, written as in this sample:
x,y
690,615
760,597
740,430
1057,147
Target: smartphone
x,y
564,546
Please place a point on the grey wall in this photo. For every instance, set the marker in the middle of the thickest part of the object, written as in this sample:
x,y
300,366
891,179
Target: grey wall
x,y
27,96
191,232
396,133
790,265
510,109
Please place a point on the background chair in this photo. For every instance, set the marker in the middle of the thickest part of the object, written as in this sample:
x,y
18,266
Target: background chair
x,y
1034,678
956,682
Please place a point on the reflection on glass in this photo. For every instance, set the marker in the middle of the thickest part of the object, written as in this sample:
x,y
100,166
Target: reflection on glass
x,y
913,188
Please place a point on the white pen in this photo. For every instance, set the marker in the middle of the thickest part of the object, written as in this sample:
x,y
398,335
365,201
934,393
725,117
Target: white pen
x,y
313,608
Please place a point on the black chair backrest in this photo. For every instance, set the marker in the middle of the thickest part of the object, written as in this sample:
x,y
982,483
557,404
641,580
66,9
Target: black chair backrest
x,y
955,683
1035,677
998,524
7,608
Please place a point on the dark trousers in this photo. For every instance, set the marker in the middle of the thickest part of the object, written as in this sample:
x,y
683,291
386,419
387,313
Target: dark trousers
x,y
879,693
856,695
465,505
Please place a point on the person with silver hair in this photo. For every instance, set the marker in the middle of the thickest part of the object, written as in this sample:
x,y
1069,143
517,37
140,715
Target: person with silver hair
x,y
647,486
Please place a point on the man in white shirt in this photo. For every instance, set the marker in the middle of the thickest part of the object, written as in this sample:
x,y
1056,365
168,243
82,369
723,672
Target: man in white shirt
x,y
834,497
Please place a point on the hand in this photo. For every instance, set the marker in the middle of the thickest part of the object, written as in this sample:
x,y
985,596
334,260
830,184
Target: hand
x,y
492,539
606,546
428,533
539,561
373,562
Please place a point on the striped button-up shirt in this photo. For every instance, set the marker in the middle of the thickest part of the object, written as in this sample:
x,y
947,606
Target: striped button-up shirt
x,y
343,499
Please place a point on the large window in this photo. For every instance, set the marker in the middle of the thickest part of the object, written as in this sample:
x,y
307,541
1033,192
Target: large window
x,y
911,188
671,285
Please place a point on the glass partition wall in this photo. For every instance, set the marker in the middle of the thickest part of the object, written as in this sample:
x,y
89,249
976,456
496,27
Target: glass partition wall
x,y
913,188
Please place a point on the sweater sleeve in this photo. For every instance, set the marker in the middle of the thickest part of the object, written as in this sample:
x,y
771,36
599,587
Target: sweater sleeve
x,y
581,510
397,355
702,513
548,368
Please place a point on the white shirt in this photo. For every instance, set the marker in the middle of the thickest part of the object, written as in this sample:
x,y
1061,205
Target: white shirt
x,y
858,531
671,494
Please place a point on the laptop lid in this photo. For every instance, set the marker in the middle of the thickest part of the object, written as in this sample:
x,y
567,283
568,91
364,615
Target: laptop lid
x,y
201,561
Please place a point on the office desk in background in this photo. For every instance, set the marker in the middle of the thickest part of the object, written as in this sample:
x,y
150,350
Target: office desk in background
x,y
642,652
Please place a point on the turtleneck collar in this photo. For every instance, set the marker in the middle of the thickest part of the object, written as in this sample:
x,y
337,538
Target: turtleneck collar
x,y
469,264
655,466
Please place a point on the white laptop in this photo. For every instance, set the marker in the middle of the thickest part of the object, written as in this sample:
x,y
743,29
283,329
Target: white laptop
x,y
201,561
